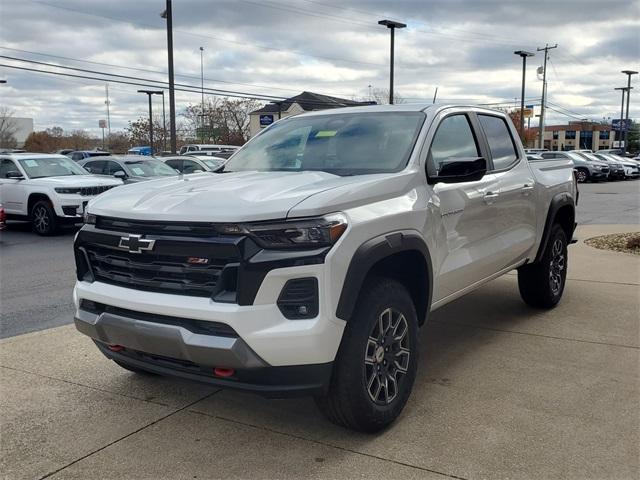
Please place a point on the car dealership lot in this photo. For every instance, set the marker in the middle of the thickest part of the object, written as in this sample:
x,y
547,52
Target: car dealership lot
x,y
502,390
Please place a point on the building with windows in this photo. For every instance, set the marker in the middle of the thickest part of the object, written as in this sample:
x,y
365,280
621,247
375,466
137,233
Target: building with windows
x,y
578,135
305,102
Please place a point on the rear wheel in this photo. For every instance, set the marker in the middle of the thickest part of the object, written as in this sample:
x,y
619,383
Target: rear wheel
x,y
377,361
582,174
43,218
541,284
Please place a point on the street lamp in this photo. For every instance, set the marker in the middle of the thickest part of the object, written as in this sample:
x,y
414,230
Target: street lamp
x,y
391,25
524,54
202,90
149,93
168,16
620,132
628,73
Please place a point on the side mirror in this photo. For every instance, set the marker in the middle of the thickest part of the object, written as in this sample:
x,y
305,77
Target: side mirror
x,y
460,170
15,175
120,174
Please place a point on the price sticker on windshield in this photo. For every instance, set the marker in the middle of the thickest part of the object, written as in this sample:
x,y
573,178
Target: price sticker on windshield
x,y
326,133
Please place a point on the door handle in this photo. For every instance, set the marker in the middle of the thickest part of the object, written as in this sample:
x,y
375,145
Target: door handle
x,y
490,197
526,189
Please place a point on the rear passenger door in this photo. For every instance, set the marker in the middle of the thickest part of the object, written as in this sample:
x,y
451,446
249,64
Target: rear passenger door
x,y
175,164
465,239
516,200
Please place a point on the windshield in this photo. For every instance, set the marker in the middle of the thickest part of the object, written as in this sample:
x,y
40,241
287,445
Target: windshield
x,y
212,164
150,168
51,167
342,144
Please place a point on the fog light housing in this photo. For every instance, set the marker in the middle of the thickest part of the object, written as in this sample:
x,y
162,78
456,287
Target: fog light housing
x,y
299,298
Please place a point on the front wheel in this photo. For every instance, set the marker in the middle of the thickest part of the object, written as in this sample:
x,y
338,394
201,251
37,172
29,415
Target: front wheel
x,y
582,175
541,284
377,361
44,219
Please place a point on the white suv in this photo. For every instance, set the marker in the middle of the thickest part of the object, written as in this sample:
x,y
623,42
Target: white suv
x,y
309,263
48,190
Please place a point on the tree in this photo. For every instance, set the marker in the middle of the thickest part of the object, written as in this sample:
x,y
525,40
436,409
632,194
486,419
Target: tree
x,y
528,136
8,129
633,137
138,133
226,120
118,142
381,96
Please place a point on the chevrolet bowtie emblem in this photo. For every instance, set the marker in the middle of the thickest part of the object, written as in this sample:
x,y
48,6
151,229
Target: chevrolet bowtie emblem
x,y
136,244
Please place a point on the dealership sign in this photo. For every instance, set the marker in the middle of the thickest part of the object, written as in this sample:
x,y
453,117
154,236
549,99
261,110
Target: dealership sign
x,y
616,123
266,120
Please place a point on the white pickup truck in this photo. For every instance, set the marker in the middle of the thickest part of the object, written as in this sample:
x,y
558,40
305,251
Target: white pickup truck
x,y
308,263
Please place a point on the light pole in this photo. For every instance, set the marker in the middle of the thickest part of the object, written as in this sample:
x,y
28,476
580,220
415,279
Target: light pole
x,y
149,93
623,90
164,125
202,90
628,73
391,25
524,54
168,16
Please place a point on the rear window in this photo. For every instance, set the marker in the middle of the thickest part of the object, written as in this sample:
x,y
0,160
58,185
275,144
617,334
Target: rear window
x,y
503,149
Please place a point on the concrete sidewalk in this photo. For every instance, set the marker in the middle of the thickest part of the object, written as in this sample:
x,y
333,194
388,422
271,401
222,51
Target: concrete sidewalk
x,y
503,391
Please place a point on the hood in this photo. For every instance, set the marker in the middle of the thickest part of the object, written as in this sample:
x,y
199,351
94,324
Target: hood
x,y
225,197
75,181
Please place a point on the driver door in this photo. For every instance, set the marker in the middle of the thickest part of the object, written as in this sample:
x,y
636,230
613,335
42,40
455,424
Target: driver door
x,y
12,194
465,220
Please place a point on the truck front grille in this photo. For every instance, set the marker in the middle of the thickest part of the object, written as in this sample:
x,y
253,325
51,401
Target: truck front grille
x,y
154,272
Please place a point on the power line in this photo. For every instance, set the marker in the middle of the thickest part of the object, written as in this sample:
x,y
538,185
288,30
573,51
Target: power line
x,y
184,32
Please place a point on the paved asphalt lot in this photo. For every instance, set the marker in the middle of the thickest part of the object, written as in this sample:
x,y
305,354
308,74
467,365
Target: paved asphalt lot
x,y
503,391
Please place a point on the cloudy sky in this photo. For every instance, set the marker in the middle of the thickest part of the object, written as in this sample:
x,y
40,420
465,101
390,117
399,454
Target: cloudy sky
x,y
334,47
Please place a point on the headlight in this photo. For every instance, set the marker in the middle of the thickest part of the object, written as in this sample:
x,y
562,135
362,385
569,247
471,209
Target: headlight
x,y
67,190
312,232
89,218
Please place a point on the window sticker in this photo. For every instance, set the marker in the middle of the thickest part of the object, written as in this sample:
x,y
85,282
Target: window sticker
x,y
137,170
326,133
31,163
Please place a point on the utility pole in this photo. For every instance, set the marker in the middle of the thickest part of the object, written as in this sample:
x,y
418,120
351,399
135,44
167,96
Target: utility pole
x,y
628,73
544,91
107,103
149,94
167,14
202,91
391,25
524,56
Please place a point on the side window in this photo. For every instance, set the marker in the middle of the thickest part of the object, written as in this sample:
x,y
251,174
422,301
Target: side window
x,y
76,156
112,167
176,164
95,167
7,166
190,166
503,149
454,139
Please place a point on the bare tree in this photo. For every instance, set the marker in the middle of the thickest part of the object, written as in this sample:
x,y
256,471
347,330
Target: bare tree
x,y
381,96
225,121
8,129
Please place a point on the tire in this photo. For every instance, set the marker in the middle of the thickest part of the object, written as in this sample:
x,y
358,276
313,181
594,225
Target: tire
x,y
582,175
357,398
541,284
43,218
133,369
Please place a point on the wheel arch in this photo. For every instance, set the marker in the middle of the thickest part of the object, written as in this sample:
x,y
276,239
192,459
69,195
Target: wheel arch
x,y
403,256
35,198
561,211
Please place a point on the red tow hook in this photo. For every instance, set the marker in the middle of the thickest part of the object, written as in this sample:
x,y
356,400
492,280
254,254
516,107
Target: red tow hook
x,y
115,348
223,372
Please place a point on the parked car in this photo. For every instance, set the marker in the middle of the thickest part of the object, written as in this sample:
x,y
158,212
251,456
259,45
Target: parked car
x,y
535,150
78,155
630,167
3,218
130,169
47,189
308,267
616,170
217,150
65,151
139,151
586,170
193,164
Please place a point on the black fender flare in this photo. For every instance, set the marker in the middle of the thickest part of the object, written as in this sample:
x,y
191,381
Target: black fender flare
x,y
557,202
370,253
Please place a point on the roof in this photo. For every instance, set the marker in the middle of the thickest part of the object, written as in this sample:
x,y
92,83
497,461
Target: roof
x,y
589,126
17,156
310,101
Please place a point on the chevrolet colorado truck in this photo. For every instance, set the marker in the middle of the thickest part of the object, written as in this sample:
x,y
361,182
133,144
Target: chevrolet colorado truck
x,y
308,263
47,190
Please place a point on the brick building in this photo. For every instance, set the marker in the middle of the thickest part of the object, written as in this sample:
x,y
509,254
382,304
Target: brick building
x,y
578,135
